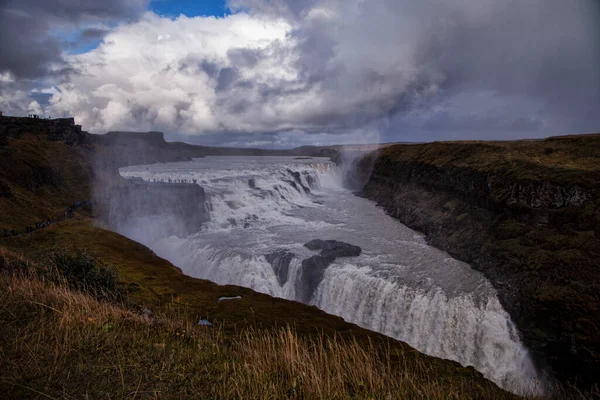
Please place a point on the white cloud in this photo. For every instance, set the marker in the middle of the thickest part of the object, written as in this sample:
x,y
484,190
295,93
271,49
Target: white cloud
x,y
336,71
6,77
164,73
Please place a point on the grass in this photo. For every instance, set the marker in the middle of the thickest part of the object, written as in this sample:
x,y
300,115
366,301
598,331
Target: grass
x,y
43,178
57,342
559,159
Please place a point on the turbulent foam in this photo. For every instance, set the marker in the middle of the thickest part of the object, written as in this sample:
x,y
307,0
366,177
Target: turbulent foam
x,y
399,286
234,202
455,328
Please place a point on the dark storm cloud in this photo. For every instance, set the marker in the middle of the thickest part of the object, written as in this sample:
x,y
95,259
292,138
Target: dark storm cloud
x,y
27,48
544,52
92,34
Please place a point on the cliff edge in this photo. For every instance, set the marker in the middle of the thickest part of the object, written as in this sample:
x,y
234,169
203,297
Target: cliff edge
x,y
527,214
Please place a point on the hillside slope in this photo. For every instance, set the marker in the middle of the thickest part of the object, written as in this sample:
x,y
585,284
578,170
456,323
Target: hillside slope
x,y
527,214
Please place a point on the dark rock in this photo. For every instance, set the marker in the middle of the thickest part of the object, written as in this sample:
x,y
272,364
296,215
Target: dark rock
x,y
294,185
313,269
128,203
62,129
251,183
334,248
280,261
298,179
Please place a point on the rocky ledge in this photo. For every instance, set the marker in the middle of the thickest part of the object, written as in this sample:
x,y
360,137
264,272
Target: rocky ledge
x,y
313,268
525,213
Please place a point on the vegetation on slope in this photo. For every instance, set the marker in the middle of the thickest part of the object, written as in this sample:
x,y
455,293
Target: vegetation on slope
x,y
60,340
39,178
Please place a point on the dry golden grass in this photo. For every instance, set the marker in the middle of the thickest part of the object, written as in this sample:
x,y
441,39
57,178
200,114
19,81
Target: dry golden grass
x,y
59,343
56,342
282,365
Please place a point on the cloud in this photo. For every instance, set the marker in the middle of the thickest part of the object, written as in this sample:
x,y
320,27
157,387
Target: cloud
x,y
344,70
30,43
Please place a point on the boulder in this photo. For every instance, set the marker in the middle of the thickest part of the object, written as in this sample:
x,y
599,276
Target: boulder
x,y
313,269
280,261
334,248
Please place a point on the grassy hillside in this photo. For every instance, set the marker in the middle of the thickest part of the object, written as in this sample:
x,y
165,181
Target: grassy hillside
x,y
561,159
39,178
57,341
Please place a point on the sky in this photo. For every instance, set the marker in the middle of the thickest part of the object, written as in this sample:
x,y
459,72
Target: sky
x,y
286,73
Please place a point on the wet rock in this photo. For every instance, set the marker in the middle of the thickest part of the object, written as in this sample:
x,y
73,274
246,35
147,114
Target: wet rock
x,y
334,248
280,261
251,183
294,185
298,179
313,269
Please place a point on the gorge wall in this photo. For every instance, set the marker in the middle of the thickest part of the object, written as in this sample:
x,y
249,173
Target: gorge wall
x,y
525,213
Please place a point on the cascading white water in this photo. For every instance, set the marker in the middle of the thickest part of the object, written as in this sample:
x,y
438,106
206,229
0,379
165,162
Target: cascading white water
x,y
399,286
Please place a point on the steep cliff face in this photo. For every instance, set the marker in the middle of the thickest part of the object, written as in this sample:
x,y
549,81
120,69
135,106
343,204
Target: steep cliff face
x,y
56,130
148,211
43,169
121,149
525,213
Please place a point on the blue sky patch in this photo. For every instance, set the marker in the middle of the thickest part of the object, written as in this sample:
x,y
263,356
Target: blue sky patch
x,y
190,8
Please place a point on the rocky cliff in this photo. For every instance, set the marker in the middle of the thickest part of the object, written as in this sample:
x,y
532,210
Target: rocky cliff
x,y
121,149
525,213
56,130
148,211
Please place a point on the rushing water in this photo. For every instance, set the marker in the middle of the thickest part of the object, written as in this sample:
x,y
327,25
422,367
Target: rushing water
x,y
399,286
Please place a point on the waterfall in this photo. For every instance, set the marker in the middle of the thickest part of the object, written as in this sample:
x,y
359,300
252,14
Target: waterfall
x,y
263,210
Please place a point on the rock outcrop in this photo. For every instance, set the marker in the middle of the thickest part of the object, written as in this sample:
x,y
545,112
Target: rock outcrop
x,y
313,268
148,210
57,130
280,261
527,214
334,248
